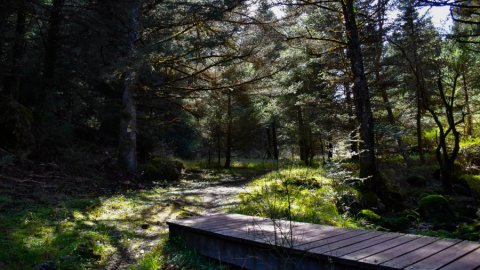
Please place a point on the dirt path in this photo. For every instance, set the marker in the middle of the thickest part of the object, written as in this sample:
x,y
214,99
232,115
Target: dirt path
x,y
198,193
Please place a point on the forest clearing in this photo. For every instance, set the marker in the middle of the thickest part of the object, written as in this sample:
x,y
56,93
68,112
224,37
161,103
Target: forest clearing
x,y
119,115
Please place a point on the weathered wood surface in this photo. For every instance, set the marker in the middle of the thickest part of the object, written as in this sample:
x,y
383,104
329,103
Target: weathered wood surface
x,y
259,243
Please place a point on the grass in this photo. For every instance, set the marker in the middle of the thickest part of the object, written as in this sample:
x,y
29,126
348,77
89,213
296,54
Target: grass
x,y
237,165
296,193
86,233
173,252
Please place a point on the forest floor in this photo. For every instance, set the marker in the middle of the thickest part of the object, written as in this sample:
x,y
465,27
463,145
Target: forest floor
x,y
44,225
52,220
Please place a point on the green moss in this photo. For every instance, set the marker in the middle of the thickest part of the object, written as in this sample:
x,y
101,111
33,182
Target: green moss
x,y
473,181
301,194
417,180
369,215
161,169
369,199
436,208
398,221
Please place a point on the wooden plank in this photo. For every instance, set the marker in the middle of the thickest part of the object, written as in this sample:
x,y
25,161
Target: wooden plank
x,y
358,255
398,250
330,240
260,243
445,256
419,254
346,242
363,245
468,262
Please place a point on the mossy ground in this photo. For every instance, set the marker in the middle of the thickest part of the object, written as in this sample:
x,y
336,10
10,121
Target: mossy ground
x,y
110,231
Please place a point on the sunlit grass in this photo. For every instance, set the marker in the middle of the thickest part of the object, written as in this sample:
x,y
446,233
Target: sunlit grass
x,y
84,233
297,193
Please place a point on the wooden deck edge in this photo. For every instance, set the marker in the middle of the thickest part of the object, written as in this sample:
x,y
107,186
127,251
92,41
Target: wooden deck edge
x,y
249,254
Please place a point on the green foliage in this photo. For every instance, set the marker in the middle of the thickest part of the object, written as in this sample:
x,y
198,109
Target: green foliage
x,y
436,208
161,169
369,215
400,221
417,180
15,126
473,181
282,195
369,198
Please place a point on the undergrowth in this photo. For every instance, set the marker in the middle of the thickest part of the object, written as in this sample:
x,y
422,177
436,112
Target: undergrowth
x,y
299,194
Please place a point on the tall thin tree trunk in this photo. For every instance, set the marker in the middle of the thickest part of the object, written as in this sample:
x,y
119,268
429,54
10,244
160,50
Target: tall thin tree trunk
x,y
379,78
274,139
219,148
351,122
269,143
301,135
419,80
128,122
468,117
367,160
12,81
51,53
228,146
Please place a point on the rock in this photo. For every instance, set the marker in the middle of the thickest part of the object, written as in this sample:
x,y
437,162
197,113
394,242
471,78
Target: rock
x,y
436,208
417,180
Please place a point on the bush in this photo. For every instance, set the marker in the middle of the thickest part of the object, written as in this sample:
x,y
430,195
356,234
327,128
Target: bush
x,y
161,169
369,199
399,221
369,215
417,180
436,208
473,182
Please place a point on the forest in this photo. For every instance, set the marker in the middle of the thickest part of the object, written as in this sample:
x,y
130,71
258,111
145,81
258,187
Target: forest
x,y
117,115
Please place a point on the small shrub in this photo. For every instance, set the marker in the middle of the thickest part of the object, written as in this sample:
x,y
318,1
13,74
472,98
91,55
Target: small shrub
x,y
435,208
161,169
397,221
417,180
370,199
473,182
369,215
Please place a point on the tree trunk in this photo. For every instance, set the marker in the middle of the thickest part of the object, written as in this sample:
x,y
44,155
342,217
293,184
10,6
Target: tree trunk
x,y
228,146
468,117
269,143
128,122
12,81
274,139
419,80
330,148
51,52
361,93
301,136
351,123
219,148
379,78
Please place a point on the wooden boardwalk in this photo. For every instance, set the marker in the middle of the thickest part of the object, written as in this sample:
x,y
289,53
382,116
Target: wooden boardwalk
x,y
259,243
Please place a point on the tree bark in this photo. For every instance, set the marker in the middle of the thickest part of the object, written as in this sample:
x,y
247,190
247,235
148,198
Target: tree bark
x,y
302,144
379,78
367,160
51,52
419,80
12,81
275,140
468,117
128,122
228,145
351,123
269,143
